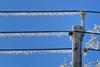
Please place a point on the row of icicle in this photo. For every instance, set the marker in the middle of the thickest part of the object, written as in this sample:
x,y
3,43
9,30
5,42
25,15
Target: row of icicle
x,y
39,14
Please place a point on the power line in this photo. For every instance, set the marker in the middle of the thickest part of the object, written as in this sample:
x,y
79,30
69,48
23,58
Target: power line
x,y
39,49
44,13
87,32
36,51
92,12
94,49
32,31
43,49
47,11
36,13
39,11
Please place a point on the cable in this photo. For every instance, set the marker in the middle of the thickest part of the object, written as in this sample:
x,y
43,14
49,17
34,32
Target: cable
x,y
39,49
43,49
44,13
39,11
47,11
36,13
91,49
32,31
92,11
87,32
35,49
94,49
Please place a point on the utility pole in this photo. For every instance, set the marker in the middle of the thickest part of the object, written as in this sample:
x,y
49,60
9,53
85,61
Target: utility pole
x,y
77,38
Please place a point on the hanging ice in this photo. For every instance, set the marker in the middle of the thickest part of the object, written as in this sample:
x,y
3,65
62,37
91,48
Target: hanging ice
x,y
39,14
57,34
36,52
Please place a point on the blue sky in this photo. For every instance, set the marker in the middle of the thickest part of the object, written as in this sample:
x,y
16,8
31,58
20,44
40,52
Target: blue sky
x,y
43,23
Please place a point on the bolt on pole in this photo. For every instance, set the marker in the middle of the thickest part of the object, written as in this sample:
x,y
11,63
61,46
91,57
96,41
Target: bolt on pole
x,y
77,38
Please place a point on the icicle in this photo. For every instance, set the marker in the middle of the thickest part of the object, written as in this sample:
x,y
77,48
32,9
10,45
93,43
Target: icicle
x,y
16,52
39,14
85,54
36,52
33,34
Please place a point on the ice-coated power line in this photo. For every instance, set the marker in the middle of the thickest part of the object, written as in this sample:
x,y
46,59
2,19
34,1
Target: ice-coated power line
x,y
33,34
36,51
40,33
44,13
39,51
36,13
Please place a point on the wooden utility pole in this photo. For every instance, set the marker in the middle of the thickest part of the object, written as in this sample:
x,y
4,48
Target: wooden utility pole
x,y
77,38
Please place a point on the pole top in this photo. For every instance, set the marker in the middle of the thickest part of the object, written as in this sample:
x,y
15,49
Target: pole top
x,y
82,15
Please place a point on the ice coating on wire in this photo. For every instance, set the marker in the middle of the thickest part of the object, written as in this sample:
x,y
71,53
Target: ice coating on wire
x,y
39,14
58,34
36,52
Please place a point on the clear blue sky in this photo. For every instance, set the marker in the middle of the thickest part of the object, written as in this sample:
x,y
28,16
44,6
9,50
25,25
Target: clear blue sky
x,y
43,23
